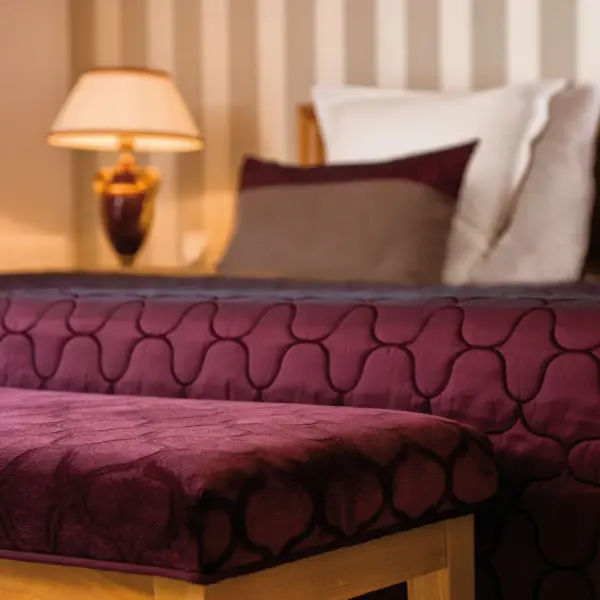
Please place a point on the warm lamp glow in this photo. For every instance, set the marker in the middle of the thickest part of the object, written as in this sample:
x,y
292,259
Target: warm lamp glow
x,y
139,108
128,110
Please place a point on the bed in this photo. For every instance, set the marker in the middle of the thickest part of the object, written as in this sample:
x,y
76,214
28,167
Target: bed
x,y
517,362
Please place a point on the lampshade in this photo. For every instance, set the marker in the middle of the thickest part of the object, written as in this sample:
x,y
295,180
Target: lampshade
x,y
111,106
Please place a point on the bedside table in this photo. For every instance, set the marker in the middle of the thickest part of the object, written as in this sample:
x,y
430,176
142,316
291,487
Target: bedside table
x,y
141,271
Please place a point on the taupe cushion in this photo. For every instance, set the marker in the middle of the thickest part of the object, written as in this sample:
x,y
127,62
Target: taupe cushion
x,y
374,222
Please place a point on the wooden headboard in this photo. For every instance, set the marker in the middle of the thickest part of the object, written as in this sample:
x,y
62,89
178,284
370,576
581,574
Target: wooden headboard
x,y
311,151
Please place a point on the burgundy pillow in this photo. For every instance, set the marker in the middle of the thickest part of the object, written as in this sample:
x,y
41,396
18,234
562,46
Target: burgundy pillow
x,y
385,222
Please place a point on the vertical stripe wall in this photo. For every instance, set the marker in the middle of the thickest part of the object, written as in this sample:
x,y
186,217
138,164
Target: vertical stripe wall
x,y
244,65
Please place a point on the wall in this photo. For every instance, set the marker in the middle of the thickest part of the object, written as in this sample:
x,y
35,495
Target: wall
x,y
243,65
35,183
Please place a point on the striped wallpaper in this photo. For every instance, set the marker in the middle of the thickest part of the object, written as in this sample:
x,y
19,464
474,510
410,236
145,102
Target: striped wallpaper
x,y
243,66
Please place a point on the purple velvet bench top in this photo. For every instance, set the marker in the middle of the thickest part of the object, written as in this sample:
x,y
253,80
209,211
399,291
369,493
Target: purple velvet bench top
x,y
205,490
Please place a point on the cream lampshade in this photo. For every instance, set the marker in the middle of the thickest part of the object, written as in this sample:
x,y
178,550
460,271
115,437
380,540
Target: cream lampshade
x,y
126,110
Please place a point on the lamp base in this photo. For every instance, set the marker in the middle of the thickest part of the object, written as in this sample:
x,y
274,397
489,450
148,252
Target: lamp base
x,y
127,194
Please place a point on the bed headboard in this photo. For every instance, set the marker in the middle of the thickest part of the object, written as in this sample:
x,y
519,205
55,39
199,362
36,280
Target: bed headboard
x,y
311,150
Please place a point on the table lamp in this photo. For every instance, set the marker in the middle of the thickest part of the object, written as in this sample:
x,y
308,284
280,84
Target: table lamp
x,y
127,110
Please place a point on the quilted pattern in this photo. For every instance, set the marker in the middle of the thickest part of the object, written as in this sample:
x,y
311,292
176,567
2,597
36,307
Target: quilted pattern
x,y
206,490
522,366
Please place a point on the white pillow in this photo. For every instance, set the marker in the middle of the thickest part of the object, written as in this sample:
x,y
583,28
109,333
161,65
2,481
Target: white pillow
x,y
548,236
325,98
367,124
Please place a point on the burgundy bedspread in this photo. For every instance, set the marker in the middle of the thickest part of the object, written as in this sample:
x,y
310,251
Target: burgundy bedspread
x,y
211,489
522,366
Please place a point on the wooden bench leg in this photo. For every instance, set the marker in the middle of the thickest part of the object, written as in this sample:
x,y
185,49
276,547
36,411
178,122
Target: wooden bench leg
x,y
168,589
444,549
457,580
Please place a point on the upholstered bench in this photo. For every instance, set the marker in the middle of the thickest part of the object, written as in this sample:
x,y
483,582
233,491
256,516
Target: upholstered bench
x,y
126,498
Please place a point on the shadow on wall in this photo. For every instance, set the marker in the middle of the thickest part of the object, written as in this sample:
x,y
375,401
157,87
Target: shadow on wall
x,y
218,216
593,257
231,135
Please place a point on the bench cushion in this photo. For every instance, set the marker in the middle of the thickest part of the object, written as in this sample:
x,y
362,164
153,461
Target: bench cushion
x,y
205,490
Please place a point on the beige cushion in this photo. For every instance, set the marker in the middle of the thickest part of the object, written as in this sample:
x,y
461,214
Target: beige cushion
x,y
547,237
386,222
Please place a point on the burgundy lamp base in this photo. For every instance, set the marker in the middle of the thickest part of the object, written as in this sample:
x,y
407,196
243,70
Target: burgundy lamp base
x,y
127,193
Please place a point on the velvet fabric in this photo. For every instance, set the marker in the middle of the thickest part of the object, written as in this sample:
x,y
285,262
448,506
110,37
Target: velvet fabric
x,y
441,170
205,490
521,365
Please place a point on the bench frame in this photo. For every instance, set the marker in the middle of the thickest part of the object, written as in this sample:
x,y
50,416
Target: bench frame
x,y
437,561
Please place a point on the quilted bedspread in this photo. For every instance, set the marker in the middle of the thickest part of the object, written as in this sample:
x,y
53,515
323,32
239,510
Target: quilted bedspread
x,y
523,366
